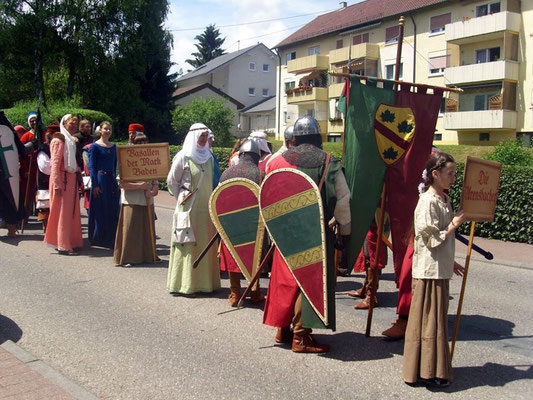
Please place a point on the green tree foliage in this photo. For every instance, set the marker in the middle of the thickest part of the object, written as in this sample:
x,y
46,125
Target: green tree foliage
x,y
212,112
512,153
209,46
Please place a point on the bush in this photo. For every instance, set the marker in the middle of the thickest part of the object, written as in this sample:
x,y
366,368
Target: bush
x,y
511,153
17,115
513,219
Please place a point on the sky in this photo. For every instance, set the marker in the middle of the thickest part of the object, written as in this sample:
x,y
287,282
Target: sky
x,y
185,15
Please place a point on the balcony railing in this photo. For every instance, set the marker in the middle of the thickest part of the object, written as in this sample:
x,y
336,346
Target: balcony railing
x,y
358,51
307,94
484,119
308,63
482,72
469,30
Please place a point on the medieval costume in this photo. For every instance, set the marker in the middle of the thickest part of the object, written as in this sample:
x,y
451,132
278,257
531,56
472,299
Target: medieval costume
x,y
260,138
43,177
64,222
28,179
191,180
247,168
11,203
103,209
288,136
285,302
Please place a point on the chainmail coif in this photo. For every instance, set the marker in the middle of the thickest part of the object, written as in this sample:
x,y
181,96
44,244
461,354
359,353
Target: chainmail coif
x,y
305,156
244,169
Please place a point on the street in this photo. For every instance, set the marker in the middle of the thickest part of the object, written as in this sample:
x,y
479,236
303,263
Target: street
x,y
119,334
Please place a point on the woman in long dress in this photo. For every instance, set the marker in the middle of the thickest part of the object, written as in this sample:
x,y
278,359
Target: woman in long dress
x,y
64,223
191,180
104,206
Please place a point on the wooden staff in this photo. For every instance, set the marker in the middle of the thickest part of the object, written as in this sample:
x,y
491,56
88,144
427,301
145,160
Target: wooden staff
x,y
26,193
205,250
151,227
463,286
257,274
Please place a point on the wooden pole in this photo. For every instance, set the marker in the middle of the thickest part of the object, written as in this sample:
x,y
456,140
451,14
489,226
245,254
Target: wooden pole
x,y
151,227
463,287
257,274
205,250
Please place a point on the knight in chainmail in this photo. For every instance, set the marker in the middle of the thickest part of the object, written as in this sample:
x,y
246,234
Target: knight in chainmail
x,y
249,154
290,305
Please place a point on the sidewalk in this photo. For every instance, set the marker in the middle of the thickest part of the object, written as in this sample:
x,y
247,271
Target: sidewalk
x,y
511,254
24,377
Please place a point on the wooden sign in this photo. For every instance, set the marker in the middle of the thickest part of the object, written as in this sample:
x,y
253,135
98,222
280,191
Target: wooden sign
x,y
480,189
142,162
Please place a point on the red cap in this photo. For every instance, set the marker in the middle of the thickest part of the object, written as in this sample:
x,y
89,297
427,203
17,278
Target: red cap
x,y
52,128
136,128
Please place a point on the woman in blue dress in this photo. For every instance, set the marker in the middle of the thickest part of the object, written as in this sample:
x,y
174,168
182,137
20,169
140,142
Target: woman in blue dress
x,y
104,206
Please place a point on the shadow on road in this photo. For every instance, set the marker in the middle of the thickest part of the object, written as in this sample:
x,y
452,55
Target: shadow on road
x,y
21,238
480,327
9,330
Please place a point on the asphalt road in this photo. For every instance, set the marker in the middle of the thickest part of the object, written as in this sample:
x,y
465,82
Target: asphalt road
x,y
118,333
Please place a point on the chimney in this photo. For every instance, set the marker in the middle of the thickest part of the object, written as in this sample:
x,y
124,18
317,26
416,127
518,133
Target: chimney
x,y
342,5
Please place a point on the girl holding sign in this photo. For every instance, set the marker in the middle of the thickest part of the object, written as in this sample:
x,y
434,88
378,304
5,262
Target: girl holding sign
x,y
426,352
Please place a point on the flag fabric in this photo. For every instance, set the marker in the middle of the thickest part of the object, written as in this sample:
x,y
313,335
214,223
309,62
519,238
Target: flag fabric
x,y
342,104
365,170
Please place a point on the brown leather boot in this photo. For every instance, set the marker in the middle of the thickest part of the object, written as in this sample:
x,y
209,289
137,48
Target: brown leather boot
x,y
373,284
11,230
234,297
397,330
361,292
307,344
256,296
284,335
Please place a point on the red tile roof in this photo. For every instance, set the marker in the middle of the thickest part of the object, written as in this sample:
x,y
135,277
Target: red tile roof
x,y
357,14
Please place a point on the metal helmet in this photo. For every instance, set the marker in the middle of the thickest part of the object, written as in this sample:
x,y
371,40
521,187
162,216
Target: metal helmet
x,y
250,146
289,133
306,125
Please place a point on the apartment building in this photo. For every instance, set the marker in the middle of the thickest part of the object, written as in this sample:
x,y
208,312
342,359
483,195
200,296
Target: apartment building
x,y
482,47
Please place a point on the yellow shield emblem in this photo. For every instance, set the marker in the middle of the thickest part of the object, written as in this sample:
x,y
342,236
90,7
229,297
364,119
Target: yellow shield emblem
x,y
394,128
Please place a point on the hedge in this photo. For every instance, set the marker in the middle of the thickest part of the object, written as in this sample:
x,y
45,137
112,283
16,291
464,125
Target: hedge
x,y
513,220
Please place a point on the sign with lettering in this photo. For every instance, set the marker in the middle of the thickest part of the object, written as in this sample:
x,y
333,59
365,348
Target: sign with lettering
x,y
141,162
480,189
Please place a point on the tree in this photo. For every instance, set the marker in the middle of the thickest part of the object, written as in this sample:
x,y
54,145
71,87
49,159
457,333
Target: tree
x,y
212,112
209,46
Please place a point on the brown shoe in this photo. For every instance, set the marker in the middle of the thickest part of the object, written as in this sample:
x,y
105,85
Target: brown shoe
x,y
284,335
307,344
397,330
234,297
11,230
256,296
358,293
365,304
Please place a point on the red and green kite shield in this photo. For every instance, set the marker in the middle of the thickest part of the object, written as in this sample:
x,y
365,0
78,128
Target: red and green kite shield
x,y
292,210
394,128
234,210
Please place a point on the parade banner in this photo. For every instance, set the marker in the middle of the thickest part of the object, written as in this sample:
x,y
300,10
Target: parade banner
x,y
480,189
144,162
234,210
9,165
291,207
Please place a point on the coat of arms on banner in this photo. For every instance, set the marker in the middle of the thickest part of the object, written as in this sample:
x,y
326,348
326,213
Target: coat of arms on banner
x,y
394,128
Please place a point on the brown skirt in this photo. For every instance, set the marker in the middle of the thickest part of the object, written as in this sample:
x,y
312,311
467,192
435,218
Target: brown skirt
x,y
426,351
132,243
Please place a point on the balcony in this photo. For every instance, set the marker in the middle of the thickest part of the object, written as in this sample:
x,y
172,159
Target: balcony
x,y
308,63
358,51
307,94
490,26
483,72
335,90
477,120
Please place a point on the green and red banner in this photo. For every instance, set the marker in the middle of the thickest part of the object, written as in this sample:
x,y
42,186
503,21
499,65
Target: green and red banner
x,y
234,210
292,210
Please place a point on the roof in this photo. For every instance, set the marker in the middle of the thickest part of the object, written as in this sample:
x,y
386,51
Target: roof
x,y
187,90
266,104
362,14
219,61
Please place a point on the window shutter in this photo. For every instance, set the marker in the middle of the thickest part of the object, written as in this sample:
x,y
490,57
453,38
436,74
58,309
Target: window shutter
x,y
392,33
437,62
437,22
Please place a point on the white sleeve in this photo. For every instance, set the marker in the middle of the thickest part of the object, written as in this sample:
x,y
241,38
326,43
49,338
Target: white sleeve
x,y
175,174
43,162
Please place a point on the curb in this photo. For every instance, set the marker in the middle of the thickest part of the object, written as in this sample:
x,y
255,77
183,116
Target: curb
x,y
47,372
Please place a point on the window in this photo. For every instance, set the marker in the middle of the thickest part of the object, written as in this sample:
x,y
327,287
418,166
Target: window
x,y
251,67
311,112
389,71
339,44
438,22
391,34
251,91
313,50
362,38
487,55
487,9
437,65
265,67
285,117
437,137
334,138
442,108
484,136
290,85
290,56
265,92
481,102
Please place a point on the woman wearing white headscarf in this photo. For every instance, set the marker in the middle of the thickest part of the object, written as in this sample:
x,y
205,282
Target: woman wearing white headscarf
x,y
191,180
63,231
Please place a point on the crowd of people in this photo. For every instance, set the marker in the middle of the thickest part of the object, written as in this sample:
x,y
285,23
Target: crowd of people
x,y
121,217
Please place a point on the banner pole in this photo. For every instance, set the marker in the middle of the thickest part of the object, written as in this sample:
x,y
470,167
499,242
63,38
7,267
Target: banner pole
x,y
463,287
151,227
